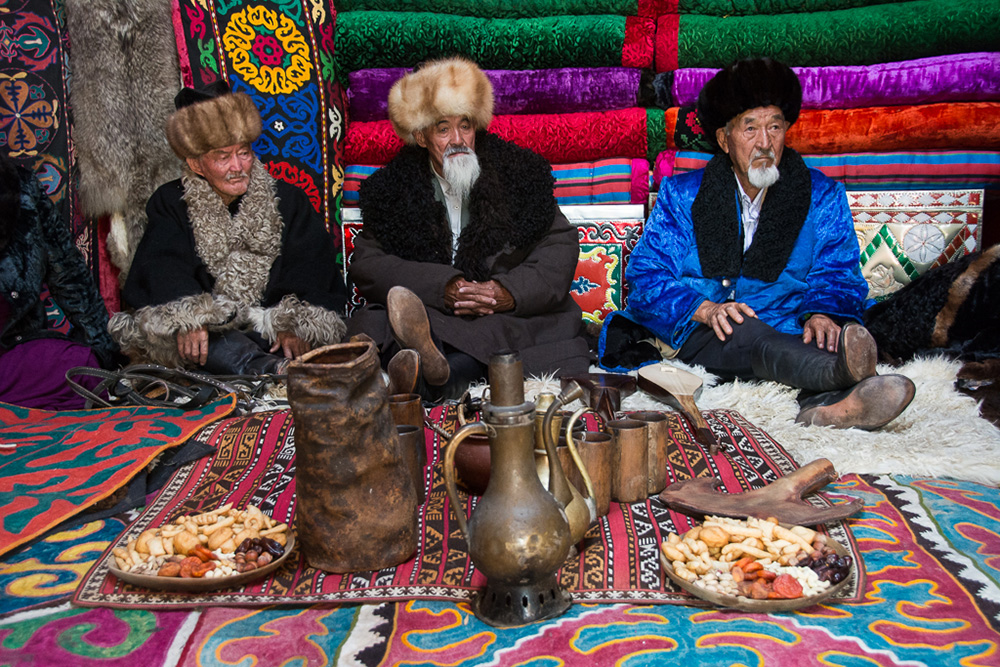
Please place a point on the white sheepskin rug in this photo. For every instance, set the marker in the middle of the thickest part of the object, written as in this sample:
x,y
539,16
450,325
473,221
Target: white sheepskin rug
x,y
939,435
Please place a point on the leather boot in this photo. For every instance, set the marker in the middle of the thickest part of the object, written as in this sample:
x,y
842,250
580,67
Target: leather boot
x,y
235,353
404,371
786,359
357,505
410,326
868,405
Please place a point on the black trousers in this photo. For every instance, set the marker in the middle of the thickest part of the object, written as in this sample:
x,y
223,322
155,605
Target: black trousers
x,y
730,359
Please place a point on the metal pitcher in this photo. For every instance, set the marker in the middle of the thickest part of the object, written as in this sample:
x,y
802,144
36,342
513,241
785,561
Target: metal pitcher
x,y
518,536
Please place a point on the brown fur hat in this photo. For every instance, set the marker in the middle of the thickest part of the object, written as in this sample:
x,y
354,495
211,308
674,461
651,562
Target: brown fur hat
x,y
211,118
450,87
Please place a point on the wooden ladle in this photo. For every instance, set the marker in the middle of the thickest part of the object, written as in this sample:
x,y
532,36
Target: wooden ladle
x,y
678,387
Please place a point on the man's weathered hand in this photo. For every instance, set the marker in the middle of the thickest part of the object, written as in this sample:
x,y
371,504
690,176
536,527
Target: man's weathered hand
x,y
192,346
825,331
717,316
465,297
290,345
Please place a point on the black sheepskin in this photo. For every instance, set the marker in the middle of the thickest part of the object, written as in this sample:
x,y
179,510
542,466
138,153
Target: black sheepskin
x,y
904,323
10,198
715,215
510,207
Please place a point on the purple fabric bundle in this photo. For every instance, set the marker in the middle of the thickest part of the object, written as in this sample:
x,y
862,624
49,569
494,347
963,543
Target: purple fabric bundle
x,y
967,77
564,90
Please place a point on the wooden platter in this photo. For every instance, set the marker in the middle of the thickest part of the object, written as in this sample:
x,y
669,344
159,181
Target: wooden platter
x,y
741,603
192,585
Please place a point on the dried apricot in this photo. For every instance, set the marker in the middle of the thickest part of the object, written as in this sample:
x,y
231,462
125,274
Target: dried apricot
x,y
188,564
169,569
787,586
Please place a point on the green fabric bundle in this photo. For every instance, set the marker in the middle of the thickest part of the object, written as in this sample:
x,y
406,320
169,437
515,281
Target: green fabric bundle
x,y
495,9
863,36
760,7
401,39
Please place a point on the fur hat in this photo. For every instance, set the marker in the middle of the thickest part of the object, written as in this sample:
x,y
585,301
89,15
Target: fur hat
x,y
451,87
748,84
211,118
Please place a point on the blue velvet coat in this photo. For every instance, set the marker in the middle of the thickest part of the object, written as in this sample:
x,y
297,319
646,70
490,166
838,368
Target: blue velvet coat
x,y
784,276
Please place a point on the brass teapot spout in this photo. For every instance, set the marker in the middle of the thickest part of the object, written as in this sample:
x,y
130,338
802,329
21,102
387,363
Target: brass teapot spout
x,y
579,512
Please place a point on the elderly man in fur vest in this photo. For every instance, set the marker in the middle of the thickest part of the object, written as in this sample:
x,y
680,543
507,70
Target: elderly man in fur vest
x,y
235,273
464,251
750,267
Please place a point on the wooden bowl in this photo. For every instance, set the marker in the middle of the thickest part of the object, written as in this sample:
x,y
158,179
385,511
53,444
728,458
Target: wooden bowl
x,y
748,604
179,585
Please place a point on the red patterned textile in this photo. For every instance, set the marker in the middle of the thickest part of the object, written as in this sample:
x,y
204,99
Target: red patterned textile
x,y
667,35
64,462
618,559
637,50
559,138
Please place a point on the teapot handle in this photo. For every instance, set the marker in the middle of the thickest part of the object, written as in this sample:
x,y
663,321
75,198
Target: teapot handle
x,y
591,497
475,428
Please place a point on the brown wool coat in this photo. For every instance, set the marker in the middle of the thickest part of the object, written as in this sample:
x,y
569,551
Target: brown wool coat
x,y
406,242
544,325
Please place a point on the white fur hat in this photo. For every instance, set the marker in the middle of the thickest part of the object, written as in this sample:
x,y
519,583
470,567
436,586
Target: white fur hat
x,y
450,87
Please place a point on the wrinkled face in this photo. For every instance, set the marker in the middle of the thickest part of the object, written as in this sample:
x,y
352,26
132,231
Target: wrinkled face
x,y
226,169
456,133
754,141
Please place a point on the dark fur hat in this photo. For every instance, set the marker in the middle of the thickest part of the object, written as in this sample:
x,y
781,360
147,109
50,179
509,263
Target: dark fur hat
x,y
211,118
748,84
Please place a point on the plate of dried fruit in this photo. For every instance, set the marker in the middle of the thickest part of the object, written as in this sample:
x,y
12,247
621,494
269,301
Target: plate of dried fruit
x,y
224,548
756,565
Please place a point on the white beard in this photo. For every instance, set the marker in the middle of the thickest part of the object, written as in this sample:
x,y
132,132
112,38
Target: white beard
x,y
763,177
461,170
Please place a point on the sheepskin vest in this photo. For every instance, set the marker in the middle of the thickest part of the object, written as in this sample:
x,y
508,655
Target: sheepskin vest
x,y
716,218
510,207
239,249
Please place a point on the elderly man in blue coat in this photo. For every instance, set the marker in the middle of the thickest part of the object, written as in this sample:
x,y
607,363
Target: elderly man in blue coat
x,y
750,266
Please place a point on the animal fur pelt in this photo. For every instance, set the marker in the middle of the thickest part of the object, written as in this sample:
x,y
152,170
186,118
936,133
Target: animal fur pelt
x,y
510,207
955,307
940,434
125,75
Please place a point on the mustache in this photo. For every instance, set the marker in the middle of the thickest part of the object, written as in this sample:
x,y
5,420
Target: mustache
x,y
237,176
769,154
455,150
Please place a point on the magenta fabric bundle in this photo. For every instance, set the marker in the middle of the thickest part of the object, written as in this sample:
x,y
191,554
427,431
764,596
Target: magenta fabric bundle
x,y
562,90
966,77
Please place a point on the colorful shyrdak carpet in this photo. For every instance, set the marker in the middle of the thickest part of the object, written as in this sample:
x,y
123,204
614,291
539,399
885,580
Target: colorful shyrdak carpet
x,y
65,462
931,598
618,562
49,570
280,53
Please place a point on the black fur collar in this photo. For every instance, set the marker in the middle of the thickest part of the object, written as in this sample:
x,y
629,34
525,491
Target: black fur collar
x,y
511,206
716,219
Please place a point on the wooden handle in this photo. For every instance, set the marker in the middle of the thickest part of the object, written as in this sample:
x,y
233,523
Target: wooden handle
x,y
702,433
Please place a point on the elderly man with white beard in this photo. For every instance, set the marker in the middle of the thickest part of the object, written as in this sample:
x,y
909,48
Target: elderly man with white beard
x,y
750,267
463,251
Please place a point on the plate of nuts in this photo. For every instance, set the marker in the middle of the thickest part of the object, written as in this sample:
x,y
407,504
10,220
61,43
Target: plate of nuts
x,y
223,548
756,565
